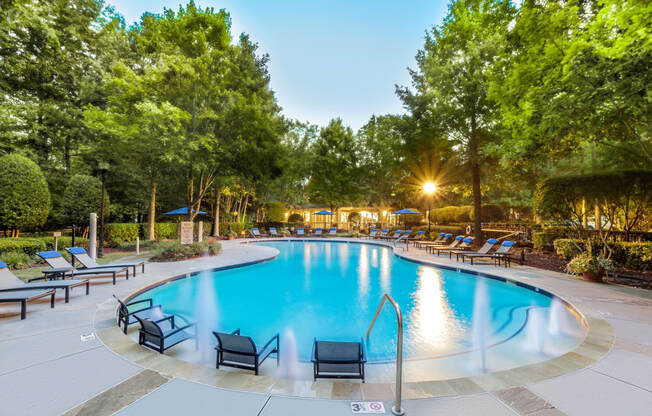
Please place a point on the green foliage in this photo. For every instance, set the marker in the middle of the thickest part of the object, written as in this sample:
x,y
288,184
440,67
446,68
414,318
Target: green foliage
x,y
173,250
116,234
464,214
544,240
636,256
83,195
166,230
29,246
276,211
585,262
24,194
236,227
355,217
567,247
298,218
16,260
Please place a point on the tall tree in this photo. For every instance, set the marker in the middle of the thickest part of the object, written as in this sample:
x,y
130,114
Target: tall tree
x,y
451,84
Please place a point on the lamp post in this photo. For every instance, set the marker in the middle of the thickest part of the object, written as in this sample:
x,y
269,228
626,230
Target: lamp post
x,y
429,188
102,168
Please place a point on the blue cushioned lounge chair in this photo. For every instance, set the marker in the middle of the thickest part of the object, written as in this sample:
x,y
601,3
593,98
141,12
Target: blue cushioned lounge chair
x,y
9,283
56,260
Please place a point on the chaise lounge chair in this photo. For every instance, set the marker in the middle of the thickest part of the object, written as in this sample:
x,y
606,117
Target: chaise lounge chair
x,y
464,244
383,234
9,283
24,296
56,260
127,317
152,336
332,232
453,245
403,237
440,238
486,247
255,233
301,232
80,254
238,351
273,233
338,359
394,236
317,232
503,253
416,238
372,234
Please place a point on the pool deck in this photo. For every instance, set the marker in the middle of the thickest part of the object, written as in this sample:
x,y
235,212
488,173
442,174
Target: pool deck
x,y
46,368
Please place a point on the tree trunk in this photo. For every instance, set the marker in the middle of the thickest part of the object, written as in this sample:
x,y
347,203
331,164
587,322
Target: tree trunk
x,y
151,232
477,202
216,217
598,217
244,206
585,221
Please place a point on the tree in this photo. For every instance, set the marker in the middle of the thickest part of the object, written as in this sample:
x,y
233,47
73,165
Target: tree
x,y
275,211
83,195
452,81
335,173
24,194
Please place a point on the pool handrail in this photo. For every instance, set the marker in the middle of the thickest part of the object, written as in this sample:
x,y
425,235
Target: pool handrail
x,y
396,409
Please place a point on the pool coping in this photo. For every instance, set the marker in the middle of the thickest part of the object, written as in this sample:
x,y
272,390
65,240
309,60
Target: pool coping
x,y
597,342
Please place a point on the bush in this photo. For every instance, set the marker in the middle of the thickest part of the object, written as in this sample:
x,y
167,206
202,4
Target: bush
x,y
165,230
173,250
24,194
120,233
16,261
275,211
295,218
585,262
544,240
83,195
637,256
567,247
29,246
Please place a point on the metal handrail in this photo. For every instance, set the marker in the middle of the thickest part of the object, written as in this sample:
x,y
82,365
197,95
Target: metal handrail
x,y
396,409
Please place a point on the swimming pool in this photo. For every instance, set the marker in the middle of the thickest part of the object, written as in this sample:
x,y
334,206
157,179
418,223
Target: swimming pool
x,y
330,290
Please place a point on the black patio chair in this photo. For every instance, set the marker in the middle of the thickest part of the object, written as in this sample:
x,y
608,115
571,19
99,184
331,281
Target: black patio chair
x,y
332,359
127,317
153,336
238,351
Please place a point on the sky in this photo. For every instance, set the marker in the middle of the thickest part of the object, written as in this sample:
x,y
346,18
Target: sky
x,y
329,59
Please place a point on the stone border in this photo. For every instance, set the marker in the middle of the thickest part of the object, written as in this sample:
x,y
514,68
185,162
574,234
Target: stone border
x,y
598,341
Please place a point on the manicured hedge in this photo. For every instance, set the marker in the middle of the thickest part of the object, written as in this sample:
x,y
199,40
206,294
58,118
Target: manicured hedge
x,y
29,246
120,233
165,230
464,214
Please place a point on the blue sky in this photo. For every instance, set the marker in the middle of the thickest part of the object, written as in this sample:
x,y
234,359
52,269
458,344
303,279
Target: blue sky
x,y
329,59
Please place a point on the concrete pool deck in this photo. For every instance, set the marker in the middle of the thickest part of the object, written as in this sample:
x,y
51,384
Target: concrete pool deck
x,y
46,368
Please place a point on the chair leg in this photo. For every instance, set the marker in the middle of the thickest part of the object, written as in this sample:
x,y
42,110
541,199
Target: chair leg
x,y
114,278
67,296
23,309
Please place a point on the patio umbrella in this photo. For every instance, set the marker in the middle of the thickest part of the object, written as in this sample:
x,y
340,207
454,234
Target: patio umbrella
x,y
181,211
324,212
405,211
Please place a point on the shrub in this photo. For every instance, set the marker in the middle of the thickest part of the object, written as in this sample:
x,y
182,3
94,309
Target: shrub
x,y
24,194
165,230
29,246
64,242
83,195
637,256
295,218
544,240
567,248
585,262
16,260
275,211
120,233
172,250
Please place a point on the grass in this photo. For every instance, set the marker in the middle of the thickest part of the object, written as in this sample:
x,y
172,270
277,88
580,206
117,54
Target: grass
x,y
37,271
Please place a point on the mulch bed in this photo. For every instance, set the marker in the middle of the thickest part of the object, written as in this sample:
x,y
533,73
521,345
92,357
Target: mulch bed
x,y
556,263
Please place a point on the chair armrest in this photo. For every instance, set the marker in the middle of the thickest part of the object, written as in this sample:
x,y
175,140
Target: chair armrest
x,y
149,300
167,318
275,337
236,332
177,330
363,359
312,354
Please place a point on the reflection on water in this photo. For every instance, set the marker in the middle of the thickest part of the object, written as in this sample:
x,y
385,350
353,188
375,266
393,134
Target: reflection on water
x,y
331,290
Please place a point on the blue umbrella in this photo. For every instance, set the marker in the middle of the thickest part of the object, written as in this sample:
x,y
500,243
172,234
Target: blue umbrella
x,y
406,211
324,212
181,211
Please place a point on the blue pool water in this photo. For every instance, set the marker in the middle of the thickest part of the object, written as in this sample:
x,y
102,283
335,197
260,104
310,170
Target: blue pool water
x,y
330,290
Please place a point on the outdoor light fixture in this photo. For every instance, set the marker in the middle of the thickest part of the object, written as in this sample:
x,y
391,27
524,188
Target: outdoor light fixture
x,y
429,188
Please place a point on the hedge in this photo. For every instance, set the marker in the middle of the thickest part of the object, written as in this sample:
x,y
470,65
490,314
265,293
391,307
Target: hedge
x,y
636,256
33,245
116,234
464,214
165,230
